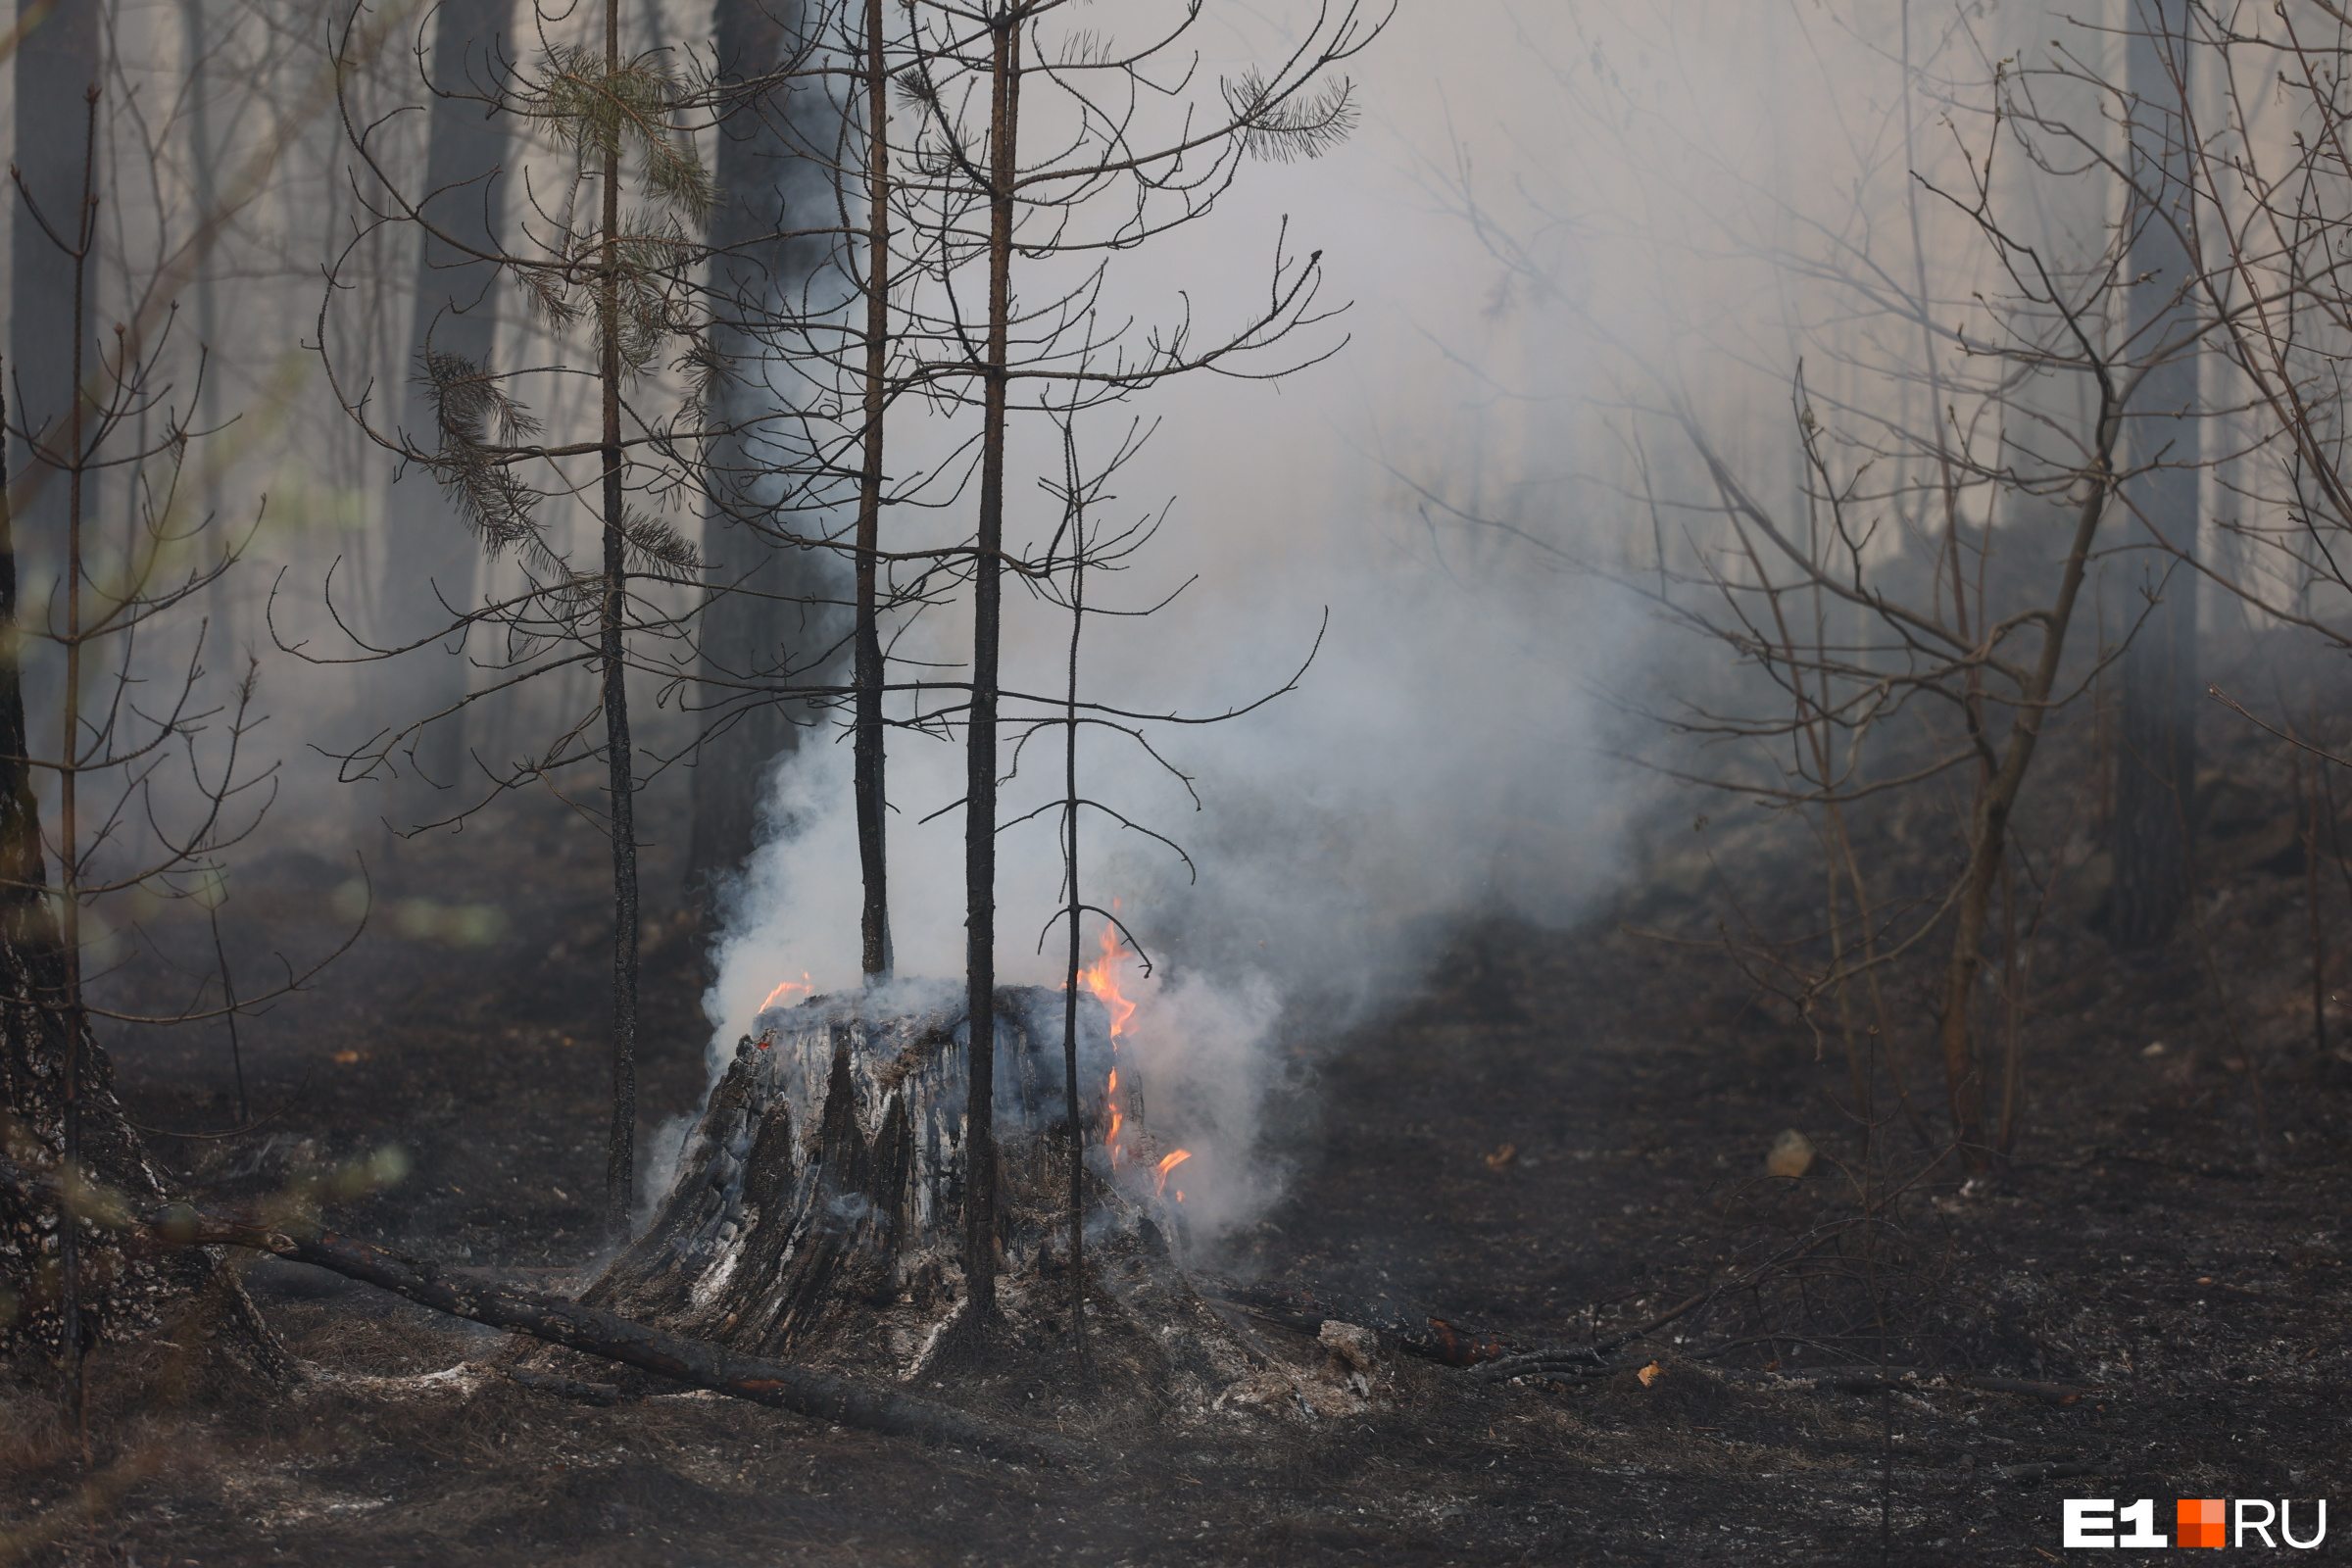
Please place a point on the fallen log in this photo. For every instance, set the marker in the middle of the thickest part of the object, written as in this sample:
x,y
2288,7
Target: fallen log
x,y
559,1321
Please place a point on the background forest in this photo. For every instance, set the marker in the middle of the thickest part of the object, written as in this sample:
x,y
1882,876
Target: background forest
x,y
1674,669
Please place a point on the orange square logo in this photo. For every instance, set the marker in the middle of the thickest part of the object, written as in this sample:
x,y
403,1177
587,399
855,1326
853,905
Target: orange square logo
x,y
2202,1522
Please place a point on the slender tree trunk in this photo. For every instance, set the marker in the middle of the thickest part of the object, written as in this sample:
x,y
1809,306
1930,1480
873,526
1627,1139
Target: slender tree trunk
x,y
2307,803
1883,1030
2155,779
871,791
1070,991
68,753
203,160
980,779
1857,1068
21,875
1989,836
2013,1011
620,1148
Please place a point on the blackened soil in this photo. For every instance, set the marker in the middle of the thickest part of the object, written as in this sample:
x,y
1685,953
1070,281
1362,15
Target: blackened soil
x,y
1560,1141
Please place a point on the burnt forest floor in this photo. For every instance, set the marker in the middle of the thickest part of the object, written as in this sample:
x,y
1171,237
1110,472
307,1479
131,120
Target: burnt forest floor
x,y
1561,1136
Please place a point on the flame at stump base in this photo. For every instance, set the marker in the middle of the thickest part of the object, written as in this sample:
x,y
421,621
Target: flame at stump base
x,y
818,1210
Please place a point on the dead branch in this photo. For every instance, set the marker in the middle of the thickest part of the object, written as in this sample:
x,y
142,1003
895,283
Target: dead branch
x,y
558,1321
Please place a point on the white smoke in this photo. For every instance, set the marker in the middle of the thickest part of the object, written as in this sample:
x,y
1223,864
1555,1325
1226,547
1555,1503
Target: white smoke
x,y
1440,757
1444,755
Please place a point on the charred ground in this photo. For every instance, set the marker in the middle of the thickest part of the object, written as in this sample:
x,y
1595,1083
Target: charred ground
x,y
1559,1138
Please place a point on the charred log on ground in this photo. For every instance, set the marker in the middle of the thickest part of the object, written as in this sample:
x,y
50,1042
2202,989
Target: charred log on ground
x,y
176,1228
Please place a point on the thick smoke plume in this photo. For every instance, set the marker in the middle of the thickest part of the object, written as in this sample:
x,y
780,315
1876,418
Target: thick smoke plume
x,y
1442,755
1551,227
1437,760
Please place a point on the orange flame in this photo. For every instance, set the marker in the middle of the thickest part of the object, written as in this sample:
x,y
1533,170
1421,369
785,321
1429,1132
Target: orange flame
x,y
1110,1139
786,989
1100,979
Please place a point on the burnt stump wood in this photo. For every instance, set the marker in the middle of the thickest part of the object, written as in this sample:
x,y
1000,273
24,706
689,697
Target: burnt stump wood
x,y
817,1210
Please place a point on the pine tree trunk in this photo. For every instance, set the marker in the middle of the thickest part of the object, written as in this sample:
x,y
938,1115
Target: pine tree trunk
x,y
222,642
428,568
122,1291
873,793
58,60
2155,761
620,1147
2152,831
1074,892
119,1292
787,615
980,776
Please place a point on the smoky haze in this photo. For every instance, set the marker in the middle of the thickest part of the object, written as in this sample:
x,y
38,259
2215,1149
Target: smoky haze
x,y
1447,752
1659,212
1562,232
1550,223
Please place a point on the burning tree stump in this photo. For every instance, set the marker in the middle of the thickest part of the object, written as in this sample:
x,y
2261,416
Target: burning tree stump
x,y
816,1214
